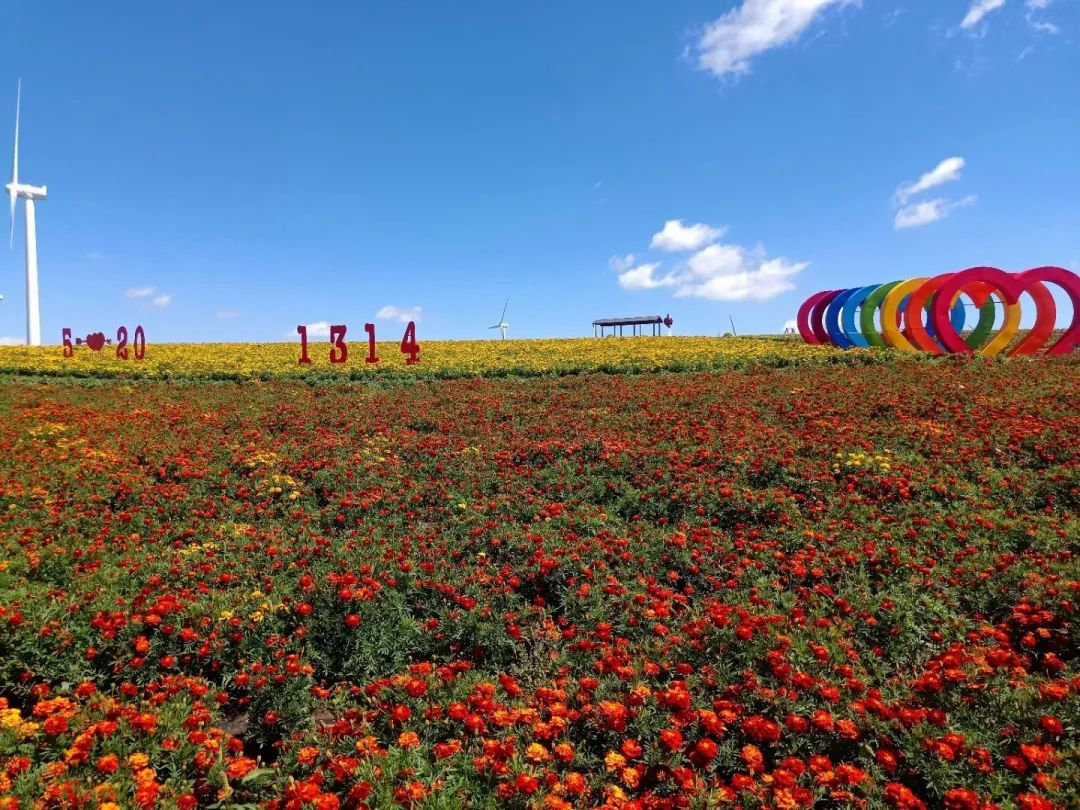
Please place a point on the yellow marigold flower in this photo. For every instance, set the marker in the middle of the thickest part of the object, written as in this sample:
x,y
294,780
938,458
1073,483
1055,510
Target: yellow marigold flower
x,y
10,718
613,761
537,753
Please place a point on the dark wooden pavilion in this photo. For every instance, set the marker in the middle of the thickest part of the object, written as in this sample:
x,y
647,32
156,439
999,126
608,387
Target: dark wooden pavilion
x,y
637,325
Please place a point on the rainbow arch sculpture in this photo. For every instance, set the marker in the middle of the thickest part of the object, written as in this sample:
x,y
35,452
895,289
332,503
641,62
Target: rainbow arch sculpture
x,y
927,314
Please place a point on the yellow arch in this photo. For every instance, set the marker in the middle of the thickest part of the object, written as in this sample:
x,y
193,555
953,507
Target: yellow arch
x,y
891,335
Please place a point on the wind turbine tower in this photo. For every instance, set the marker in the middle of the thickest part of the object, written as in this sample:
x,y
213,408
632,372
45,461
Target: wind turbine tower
x,y
502,325
29,194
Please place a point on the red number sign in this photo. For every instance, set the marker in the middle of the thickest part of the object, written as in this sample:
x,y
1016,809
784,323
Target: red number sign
x,y
370,329
304,359
139,342
409,345
95,342
339,349
339,352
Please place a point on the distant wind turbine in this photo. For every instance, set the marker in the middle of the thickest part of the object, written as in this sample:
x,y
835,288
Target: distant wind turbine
x,y
30,194
502,325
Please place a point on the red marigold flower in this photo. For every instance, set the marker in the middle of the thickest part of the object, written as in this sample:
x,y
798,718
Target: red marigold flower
x,y
574,783
352,621
847,729
1051,725
961,799
901,797
850,774
706,749
55,725
107,764
671,739
1030,801
887,759
526,783
800,725
741,781
761,729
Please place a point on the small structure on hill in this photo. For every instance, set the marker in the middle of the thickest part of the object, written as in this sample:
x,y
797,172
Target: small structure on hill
x,y
637,325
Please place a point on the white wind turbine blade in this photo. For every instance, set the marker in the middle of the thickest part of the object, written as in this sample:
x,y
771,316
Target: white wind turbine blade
x,y
15,168
503,316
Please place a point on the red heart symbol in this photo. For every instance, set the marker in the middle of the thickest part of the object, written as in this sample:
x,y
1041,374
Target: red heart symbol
x,y
1011,286
96,341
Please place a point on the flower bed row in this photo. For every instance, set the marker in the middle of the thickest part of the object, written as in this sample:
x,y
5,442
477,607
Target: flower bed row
x,y
815,586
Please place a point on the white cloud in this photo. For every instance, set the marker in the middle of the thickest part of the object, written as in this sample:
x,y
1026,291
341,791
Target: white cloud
x,y
1037,4
732,273
979,9
678,237
791,325
756,26
1044,27
12,341
162,301
945,172
140,292
891,17
401,315
923,213
94,256
319,329
719,272
642,278
228,313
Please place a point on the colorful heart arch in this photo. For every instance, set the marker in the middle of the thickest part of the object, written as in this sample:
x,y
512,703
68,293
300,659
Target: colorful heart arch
x,y
927,314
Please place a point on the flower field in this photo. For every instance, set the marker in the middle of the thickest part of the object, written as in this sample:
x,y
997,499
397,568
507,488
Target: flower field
x,y
820,585
437,358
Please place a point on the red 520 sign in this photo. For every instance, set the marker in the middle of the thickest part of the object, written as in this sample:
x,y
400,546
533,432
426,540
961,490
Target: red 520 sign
x,y
339,349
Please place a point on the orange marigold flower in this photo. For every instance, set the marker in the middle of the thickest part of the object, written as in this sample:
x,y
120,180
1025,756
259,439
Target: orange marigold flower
x,y
239,767
752,756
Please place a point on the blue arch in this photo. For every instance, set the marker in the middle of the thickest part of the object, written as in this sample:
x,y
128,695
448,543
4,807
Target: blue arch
x,y
847,316
832,319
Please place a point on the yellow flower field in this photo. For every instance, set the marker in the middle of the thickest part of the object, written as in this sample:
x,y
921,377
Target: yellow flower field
x,y
447,358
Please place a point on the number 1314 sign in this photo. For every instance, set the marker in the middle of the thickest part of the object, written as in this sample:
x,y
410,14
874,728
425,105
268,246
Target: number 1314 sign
x,y
339,349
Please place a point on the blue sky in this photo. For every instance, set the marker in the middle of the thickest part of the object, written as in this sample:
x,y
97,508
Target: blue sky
x,y
225,171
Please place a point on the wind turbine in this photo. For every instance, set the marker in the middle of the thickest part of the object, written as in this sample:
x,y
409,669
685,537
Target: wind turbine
x,y
30,194
502,325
